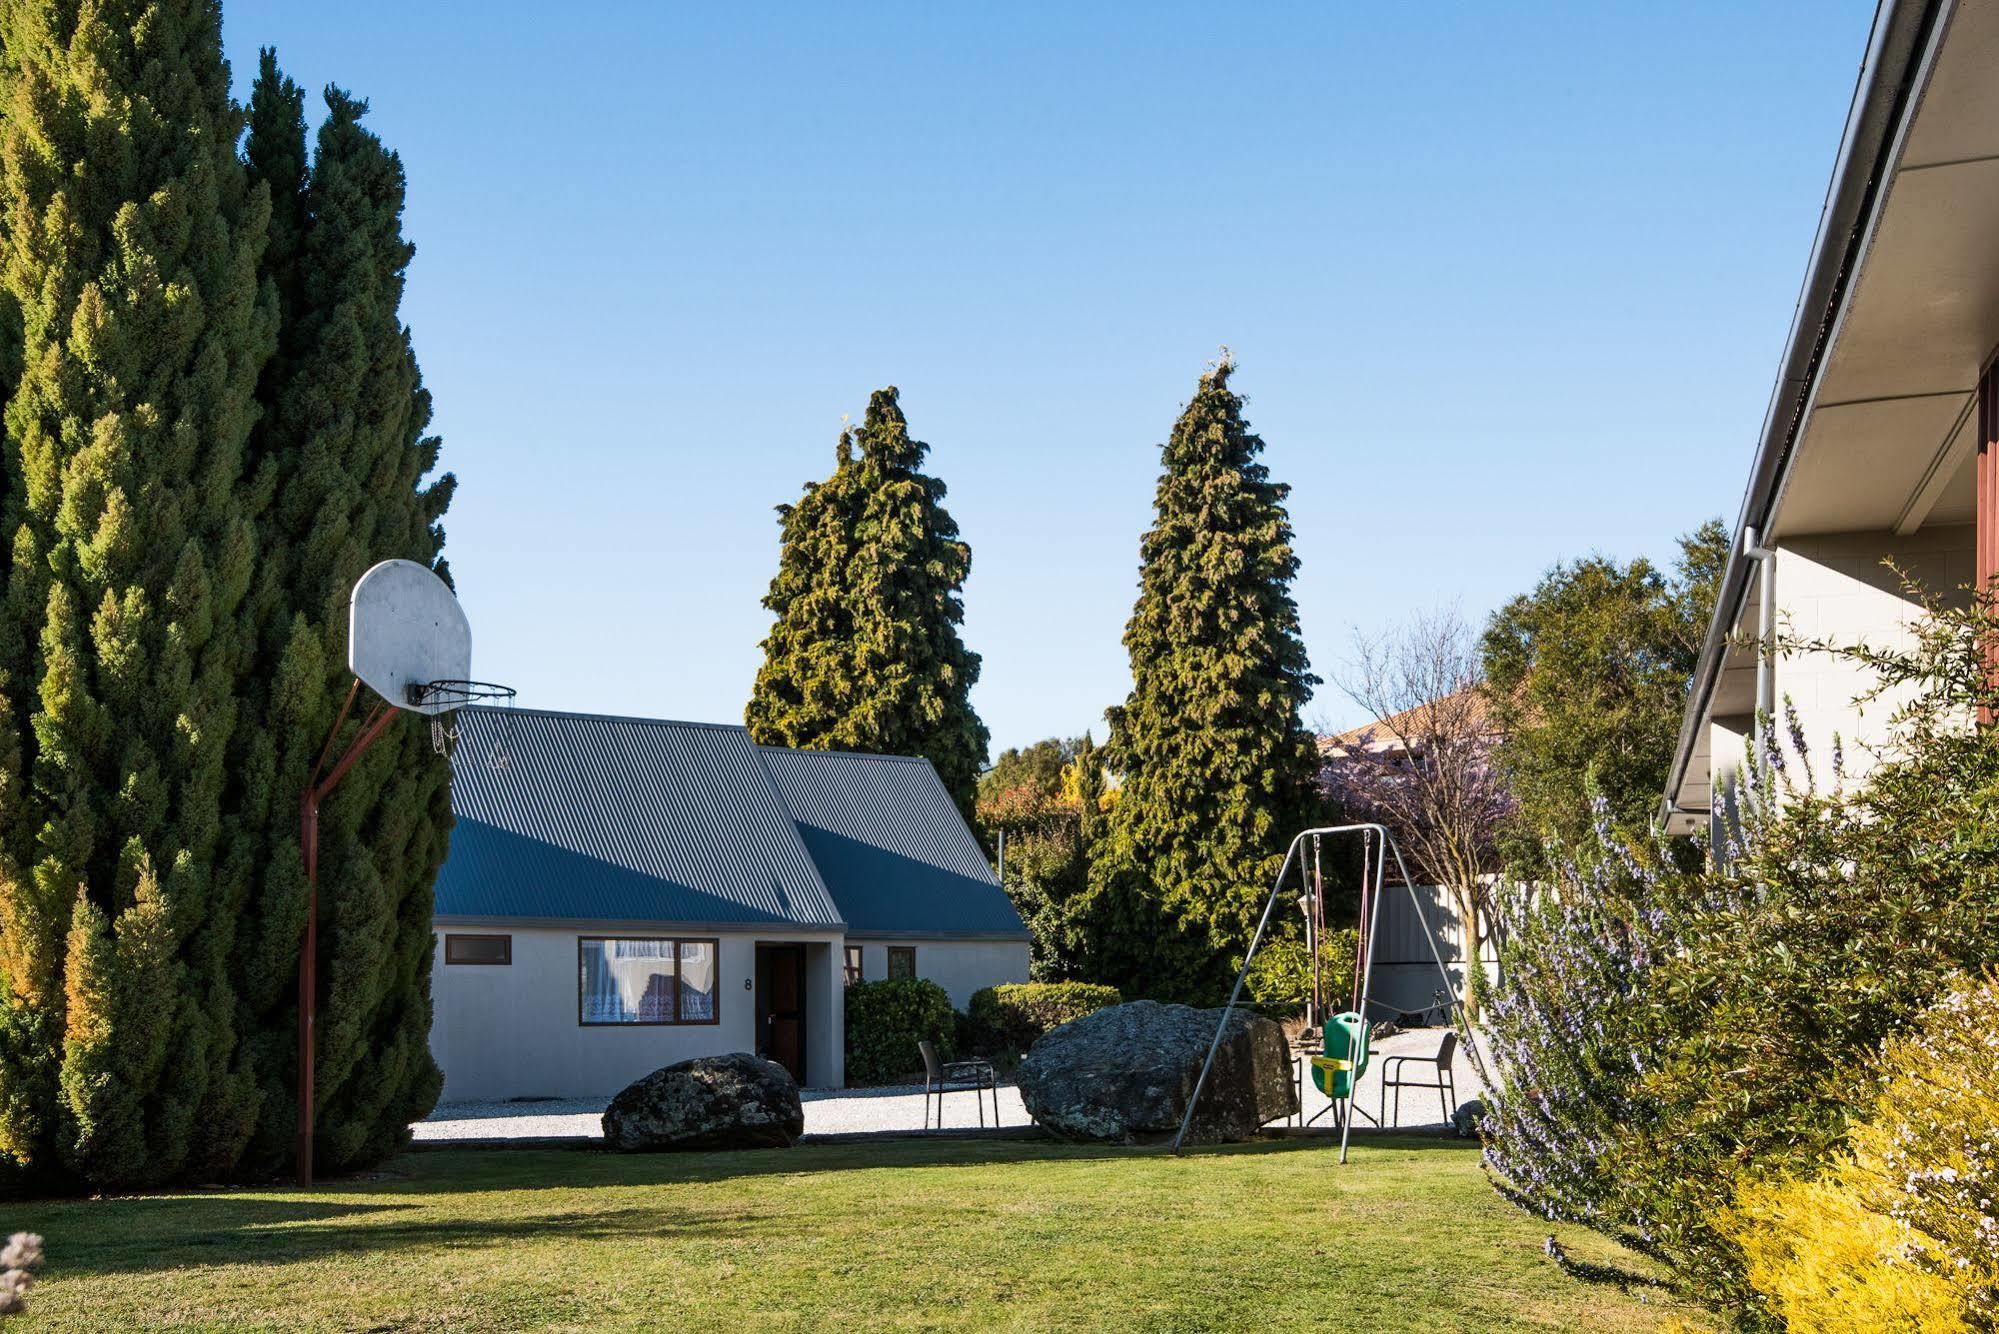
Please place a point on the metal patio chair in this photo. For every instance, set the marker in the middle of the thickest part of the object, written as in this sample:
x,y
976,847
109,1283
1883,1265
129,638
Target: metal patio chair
x,y
941,1077
1393,1076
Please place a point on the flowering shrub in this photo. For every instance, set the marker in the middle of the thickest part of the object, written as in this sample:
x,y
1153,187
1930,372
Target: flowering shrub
x,y
1564,1037
1662,1034
1002,1022
1902,1232
885,1021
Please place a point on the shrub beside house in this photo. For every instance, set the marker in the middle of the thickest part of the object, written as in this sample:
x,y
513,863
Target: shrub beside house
x,y
1727,1064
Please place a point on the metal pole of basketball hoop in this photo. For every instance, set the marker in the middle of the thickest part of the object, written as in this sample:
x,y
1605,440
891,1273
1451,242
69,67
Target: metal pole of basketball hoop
x,y
408,641
316,790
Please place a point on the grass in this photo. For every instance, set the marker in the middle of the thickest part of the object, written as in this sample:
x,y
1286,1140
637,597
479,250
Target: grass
x,y
901,1233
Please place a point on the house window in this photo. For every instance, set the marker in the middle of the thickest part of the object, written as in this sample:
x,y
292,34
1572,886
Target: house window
x,y
853,964
621,980
902,963
478,949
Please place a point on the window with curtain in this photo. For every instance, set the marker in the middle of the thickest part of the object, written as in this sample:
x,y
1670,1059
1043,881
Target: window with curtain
x,y
629,981
902,963
853,964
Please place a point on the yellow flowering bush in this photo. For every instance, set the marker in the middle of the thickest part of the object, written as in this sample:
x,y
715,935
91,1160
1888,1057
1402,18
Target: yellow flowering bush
x,y
1902,1231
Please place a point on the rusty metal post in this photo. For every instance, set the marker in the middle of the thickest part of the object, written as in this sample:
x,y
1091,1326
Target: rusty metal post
x,y
316,791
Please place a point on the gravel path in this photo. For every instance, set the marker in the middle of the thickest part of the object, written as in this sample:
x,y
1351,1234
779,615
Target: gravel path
x,y
827,1112
899,1110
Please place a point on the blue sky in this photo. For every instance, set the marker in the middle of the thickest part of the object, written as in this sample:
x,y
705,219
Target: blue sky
x,y
1506,284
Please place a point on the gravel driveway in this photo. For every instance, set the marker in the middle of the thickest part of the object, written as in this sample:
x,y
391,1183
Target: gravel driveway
x,y
899,1110
827,1112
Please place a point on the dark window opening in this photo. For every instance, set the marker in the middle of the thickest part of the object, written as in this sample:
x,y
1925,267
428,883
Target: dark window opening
x,y
478,949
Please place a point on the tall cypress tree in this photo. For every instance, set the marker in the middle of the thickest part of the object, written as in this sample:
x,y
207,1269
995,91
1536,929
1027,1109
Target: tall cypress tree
x,y
345,446
865,653
1217,769
132,246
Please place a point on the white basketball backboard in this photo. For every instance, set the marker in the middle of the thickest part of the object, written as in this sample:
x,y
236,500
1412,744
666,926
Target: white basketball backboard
x,y
405,629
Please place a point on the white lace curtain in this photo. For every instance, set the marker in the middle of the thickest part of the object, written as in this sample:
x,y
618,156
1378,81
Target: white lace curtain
x,y
636,981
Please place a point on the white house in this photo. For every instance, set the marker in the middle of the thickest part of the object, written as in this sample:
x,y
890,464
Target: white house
x,y
1878,441
623,893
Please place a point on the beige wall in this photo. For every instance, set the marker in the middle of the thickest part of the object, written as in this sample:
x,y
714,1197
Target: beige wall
x,y
1835,587
511,1030
961,967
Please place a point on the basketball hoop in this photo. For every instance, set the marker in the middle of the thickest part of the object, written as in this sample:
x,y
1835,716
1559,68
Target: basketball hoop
x,y
408,641
442,700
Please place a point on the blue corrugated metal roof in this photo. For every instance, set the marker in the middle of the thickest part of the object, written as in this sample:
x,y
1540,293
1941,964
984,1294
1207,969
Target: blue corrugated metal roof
x,y
891,845
622,819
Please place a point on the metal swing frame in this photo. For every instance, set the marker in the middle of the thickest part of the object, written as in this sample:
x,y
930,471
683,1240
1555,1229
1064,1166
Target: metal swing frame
x,y
1380,868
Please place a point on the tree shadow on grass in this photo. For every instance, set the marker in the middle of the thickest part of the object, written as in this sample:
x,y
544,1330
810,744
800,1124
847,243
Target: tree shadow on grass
x,y
206,1231
407,1207
475,1170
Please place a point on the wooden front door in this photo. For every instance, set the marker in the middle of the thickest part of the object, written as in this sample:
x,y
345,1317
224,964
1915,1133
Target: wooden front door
x,y
781,1006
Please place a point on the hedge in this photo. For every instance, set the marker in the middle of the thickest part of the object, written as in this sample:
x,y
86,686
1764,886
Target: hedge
x,y
885,1021
1002,1022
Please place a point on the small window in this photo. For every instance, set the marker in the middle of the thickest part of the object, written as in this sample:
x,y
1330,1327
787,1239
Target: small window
x,y
902,963
478,949
853,964
627,981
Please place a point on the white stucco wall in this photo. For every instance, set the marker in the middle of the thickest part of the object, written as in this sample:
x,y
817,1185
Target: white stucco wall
x,y
511,1031
1835,587
961,967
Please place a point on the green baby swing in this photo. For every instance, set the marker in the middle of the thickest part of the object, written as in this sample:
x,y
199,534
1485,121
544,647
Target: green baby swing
x,y
1337,1071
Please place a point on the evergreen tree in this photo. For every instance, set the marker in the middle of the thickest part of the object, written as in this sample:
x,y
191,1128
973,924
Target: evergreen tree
x,y
865,653
1588,677
1217,769
132,241
1046,801
344,444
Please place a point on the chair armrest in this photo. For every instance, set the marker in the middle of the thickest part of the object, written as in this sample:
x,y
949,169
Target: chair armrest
x,y
977,1067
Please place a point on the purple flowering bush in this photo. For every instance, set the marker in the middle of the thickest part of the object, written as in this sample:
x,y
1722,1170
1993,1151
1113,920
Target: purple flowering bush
x,y
1663,1034
1566,1036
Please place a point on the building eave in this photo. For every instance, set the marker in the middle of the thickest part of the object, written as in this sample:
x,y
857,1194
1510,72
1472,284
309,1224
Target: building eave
x,y
658,926
1901,46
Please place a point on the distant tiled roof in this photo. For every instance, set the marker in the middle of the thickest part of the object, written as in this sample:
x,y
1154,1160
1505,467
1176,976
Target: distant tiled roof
x,y
892,846
1478,715
622,819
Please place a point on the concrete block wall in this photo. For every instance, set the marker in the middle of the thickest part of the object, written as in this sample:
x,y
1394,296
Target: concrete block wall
x,y
1836,587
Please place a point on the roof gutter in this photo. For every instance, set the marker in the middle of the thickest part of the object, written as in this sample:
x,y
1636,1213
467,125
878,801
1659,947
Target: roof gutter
x,y
1900,49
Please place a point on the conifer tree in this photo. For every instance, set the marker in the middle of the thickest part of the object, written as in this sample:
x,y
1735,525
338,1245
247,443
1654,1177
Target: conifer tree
x,y
132,240
1216,766
343,441
865,653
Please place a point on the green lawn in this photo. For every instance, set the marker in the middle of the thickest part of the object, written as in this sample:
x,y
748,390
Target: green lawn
x,y
902,1233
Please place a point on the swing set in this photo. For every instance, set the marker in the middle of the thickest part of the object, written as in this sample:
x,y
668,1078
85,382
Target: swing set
x,y
1344,1057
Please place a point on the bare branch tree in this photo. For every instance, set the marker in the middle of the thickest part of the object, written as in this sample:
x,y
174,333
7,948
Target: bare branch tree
x,y
1424,766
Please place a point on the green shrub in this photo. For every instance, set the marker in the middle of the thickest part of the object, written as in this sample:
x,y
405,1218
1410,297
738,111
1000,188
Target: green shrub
x,y
1664,1036
1280,976
885,1021
1002,1022
1901,1232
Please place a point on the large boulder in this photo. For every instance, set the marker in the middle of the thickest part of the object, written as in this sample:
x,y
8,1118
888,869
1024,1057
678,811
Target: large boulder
x,y
1126,1073
737,1101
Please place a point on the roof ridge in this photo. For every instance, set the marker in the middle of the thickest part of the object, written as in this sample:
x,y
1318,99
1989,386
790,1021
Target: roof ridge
x,y
584,716
855,754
